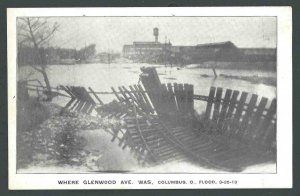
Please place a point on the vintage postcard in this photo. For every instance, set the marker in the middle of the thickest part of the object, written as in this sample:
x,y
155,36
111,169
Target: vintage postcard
x,y
150,98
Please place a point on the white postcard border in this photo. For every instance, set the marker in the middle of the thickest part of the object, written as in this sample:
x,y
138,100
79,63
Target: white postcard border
x,y
283,177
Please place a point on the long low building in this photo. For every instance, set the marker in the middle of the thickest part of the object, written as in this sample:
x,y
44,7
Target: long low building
x,y
138,49
222,51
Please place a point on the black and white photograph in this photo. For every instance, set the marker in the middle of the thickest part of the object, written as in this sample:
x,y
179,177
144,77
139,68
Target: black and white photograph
x,y
146,95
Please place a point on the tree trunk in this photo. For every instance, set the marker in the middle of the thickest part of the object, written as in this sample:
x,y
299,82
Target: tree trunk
x,y
41,58
42,63
49,92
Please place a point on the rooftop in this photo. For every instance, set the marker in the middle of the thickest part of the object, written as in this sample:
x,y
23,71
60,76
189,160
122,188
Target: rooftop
x,y
227,43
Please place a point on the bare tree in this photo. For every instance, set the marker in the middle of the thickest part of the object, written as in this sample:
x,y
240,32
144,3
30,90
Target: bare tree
x,y
36,32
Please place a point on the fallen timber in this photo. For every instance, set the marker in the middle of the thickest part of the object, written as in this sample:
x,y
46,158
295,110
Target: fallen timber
x,y
236,130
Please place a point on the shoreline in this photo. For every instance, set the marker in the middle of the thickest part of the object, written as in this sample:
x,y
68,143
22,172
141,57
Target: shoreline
x,y
271,81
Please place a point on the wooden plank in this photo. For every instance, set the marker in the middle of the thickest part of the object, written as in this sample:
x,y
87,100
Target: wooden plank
x,y
68,105
90,101
164,100
96,96
78,101
200,97
185,98
232,104
86,107
130,101
152,85
144,141
160,98
152,74
238,113
249,112
138,96
256,118
143,97
141,90
67,91
217,104
80,93
125,97
210,102
79,106
87,96
140,100
180,98
130,96
77,94
91,109
75,104
190,99
70,88
176,95
224,109
268,118
121,100
135,102
171,97
270,138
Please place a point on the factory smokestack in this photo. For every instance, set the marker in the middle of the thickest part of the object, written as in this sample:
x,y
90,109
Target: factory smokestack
x,y
155,33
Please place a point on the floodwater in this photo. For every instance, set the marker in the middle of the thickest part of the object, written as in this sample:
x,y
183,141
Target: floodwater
x,y
101,77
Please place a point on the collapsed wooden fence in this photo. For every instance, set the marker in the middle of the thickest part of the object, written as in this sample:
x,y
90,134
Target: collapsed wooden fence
x,y
235,131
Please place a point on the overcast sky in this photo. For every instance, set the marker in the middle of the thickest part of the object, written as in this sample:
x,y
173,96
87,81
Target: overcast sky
x,y
111,33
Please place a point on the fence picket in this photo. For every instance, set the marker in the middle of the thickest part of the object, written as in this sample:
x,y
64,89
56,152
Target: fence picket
x,y
217,104
224,109
235,124
268,119
210,102
248,114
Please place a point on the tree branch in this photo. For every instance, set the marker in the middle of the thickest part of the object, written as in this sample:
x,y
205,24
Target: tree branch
x,y
37,69
28,37
49,35
36,22
23,19
38,26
